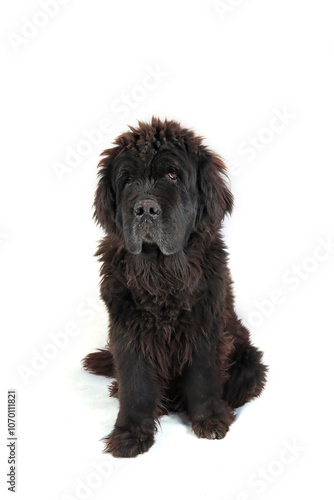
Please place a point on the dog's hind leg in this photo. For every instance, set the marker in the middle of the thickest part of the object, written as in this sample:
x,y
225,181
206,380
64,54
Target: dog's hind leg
x,y
247,373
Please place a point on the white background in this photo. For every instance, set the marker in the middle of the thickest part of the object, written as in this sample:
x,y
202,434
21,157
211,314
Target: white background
x,y
226,75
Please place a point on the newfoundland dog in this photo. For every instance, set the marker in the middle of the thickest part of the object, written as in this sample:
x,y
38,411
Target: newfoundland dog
x,y
175,342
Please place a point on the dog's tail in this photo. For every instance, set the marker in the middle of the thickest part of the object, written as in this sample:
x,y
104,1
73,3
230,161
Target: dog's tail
x,y
100,362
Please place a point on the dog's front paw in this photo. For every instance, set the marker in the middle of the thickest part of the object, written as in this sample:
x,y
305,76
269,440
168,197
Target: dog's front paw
x,y
211,428
214,426
128,442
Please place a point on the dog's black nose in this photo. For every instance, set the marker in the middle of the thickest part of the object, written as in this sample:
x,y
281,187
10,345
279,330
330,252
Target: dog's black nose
x,y
148,208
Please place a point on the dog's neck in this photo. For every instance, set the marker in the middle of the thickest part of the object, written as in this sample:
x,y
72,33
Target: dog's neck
x,y
157,274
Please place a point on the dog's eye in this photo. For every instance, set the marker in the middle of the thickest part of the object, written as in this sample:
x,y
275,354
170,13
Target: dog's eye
x,y
172,176
127,180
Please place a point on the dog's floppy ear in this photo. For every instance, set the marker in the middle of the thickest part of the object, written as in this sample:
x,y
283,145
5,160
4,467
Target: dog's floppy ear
x,y
215,197
105,202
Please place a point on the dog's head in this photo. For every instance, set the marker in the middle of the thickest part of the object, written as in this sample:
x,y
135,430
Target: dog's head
x,y
158,185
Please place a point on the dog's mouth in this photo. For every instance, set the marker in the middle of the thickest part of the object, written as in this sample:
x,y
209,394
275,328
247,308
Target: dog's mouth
x,y
150,244
149,250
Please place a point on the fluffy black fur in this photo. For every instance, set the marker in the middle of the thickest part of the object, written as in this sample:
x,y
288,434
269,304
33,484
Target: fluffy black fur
x,y
175,342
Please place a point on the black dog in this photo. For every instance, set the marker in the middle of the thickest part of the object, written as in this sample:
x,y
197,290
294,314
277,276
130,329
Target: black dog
x,y
175,342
